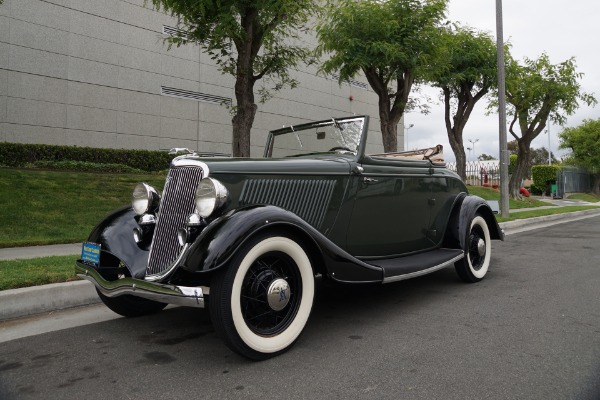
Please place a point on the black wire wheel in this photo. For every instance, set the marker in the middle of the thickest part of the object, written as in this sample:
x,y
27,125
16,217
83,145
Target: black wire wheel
x,y
261,302
477,249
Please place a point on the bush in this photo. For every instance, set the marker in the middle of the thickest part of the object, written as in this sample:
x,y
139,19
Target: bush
x,y
20,155
84,166
512,164
543,177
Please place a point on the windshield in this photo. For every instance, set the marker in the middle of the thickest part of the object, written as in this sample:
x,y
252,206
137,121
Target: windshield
x,y
333,136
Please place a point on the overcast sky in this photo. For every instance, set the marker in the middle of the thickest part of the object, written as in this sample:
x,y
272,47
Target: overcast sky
x,y
562,29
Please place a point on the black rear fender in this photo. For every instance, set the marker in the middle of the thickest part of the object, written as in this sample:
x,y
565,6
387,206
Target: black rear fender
x,y
466,207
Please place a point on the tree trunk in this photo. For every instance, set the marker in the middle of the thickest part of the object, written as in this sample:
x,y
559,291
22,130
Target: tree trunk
x,y
390,111
596,185
245,110
389,132
466,103
243,119
520,171
456,143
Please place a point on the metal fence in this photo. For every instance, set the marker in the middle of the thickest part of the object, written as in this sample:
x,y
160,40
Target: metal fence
x,y
481,173
487,173
572,180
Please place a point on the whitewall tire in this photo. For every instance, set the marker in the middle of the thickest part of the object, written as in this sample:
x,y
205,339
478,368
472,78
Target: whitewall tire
x,y
478,250
262,300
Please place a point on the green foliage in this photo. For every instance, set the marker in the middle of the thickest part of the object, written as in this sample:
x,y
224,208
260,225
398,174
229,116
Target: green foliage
x,y
390,37
512,163
84,166
584,143
543,176
465,69
391,42
537,90
465,61
486,157
266,31
20,155
250,40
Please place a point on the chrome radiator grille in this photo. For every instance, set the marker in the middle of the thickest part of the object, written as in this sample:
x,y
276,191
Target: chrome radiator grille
x,y
307,198
176,204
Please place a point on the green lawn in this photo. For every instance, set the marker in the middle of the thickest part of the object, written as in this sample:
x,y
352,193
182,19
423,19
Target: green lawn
x,y
38,271
49,207
543,212
493,194
592,198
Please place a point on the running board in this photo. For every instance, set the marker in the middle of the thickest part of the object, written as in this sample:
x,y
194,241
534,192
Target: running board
x,y
401,268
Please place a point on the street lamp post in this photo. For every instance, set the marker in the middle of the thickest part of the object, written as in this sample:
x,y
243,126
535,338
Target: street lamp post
x,y
406,136
502,112
473,145
549,151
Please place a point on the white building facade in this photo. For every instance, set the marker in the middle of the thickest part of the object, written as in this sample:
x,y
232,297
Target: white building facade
x,y
97,73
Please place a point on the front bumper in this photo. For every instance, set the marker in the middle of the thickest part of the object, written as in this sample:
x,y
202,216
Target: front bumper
x,y
171,294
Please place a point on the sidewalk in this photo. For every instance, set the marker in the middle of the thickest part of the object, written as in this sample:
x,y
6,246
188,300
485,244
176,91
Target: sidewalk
x,y
18,303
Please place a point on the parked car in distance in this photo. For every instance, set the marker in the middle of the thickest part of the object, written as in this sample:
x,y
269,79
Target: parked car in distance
x,y
246,237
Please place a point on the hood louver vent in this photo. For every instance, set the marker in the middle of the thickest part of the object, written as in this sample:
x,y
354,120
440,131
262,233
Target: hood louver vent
x,y
308,199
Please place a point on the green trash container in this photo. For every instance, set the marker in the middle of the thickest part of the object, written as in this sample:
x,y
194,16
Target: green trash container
x,y
553,190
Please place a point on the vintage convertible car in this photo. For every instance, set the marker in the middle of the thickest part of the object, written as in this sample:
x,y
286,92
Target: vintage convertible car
x,y
247,237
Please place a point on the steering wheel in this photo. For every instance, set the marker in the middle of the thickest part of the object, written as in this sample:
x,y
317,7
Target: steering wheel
x,y
341,148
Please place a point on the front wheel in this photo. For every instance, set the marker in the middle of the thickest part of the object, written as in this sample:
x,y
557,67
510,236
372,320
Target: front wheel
x,y
261,301
478,250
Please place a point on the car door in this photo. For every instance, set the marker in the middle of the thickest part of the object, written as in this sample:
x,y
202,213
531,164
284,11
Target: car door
x,y
391,212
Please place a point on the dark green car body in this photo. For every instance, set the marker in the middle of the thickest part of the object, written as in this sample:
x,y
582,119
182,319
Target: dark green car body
x,y
357,214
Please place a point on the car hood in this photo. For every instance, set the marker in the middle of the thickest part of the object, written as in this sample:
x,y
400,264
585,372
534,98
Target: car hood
x,y
320,165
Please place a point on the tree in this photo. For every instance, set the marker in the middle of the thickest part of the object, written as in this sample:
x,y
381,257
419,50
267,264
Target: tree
x,y
465,70
390,41
486,157
536,156
536,91
250,40
584,142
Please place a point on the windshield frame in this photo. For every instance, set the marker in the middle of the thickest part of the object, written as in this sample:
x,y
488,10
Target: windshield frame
x,y
329,122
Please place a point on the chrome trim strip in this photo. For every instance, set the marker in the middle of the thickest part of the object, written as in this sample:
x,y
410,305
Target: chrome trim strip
x,y
423,272
187,161
171,294
169,270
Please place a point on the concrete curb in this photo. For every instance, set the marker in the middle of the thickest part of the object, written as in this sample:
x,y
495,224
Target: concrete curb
x,y
19,303
526,224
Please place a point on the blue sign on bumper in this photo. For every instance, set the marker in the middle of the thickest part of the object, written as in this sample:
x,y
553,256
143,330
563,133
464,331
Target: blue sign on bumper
x,y
90,254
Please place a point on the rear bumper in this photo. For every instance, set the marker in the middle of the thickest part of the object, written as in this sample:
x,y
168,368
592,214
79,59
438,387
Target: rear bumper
x,y
171,294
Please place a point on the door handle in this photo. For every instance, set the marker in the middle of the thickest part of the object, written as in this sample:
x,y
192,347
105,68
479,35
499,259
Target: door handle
x,y
370,180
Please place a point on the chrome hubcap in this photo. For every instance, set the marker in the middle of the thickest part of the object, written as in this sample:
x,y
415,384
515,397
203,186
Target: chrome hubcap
x,y
278,294
481,247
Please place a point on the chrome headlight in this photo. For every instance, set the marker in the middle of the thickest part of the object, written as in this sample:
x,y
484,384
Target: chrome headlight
x,y
144,199
210,195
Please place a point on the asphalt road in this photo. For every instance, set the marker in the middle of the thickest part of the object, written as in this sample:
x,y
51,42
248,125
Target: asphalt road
x,y
530,330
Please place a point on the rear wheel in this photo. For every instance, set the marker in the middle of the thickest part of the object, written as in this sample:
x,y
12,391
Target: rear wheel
x,y
478,249
261,302
131,306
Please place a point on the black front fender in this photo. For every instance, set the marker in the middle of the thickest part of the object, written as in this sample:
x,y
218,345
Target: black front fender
x,y
470,206
115,235
219,241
